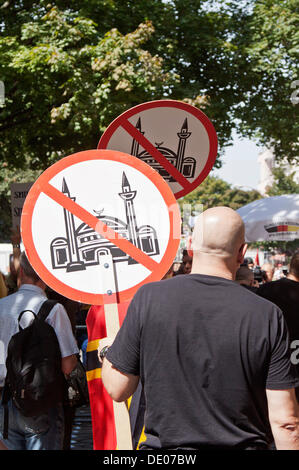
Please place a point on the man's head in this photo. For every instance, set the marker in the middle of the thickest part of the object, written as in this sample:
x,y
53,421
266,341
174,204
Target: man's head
x,y
218,241
245,276
249,262
269,270
294,266
26,273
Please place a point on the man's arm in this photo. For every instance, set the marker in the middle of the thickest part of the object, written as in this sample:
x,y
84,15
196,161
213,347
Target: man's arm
x,y
120,386
68,363
284,419
121,366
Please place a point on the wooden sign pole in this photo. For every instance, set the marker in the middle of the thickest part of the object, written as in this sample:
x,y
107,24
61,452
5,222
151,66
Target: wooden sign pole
x,y
121,412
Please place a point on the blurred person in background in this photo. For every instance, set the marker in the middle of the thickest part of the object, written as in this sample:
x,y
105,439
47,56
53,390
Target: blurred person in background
x,y
269,269
245,277
11,280
170,272
186,264
249,262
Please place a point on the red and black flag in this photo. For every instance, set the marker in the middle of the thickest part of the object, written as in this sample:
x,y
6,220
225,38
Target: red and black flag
x,y
101,405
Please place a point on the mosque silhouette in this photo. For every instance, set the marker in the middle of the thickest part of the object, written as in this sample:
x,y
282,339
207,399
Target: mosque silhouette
x,y
83,246
185,165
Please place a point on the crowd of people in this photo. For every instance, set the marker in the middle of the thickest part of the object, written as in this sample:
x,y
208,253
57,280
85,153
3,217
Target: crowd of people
x,y
211,344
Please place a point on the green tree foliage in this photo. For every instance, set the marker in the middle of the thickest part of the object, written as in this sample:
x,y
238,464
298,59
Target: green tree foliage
x,y
284,183
214,192
65,83
270,45
71,67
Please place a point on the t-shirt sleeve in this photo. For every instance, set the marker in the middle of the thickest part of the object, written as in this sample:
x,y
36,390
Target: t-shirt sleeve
x,y
59,320
124,353
282,374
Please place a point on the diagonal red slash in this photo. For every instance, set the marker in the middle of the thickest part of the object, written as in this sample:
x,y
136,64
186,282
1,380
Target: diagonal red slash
x,y
147,145
99,227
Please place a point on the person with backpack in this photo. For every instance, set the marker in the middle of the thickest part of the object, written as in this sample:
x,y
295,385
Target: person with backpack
x,y
37,348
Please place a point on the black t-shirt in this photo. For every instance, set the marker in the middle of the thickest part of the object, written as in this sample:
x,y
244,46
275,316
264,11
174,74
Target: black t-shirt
x,y
205,349
285,294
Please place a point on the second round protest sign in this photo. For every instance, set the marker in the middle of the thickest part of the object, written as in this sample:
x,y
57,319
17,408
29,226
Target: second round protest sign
x,y
94,203
175,138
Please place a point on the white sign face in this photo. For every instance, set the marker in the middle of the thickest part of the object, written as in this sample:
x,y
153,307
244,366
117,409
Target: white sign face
x,y
174,138
19,193
113,193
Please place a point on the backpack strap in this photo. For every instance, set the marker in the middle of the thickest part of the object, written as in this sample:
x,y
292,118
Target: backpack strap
x,y
46,309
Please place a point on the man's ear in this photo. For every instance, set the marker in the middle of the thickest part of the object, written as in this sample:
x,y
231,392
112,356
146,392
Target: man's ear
x,y
189,246
242,252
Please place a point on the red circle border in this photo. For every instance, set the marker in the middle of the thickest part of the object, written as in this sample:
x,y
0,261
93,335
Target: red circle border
x,y
102,154
104,140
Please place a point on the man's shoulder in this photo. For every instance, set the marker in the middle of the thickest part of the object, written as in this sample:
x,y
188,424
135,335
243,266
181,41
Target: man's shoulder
x,y
57,310
8,301
163,284
156,290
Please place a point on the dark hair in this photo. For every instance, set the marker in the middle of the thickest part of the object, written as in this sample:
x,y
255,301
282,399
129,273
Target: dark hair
x,y
27,268
294,264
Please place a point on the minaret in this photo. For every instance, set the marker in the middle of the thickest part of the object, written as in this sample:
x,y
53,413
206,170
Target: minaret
x,y
135,143
75,264
127,195
183,136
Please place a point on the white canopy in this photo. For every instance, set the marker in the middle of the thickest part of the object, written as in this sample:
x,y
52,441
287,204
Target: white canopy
x,y
271,218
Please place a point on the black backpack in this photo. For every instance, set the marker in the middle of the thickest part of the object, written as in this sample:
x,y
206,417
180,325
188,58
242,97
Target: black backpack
x,y
34,379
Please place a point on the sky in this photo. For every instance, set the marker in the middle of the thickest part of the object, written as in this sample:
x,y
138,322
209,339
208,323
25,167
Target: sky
x,y
240,164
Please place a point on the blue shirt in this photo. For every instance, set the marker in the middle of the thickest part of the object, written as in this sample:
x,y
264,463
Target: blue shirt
x,y
31,297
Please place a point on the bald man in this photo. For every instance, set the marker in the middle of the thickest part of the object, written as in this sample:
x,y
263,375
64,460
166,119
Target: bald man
x,y
213,357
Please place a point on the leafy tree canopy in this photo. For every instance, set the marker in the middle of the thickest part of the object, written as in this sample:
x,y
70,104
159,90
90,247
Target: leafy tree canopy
x,y
284,183
71,67
214,192
65,84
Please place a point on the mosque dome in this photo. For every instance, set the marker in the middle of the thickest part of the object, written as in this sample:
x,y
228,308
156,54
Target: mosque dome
x,y
168,153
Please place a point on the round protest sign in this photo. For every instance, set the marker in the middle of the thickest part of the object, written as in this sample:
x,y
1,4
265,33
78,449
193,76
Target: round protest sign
x,y
174,138
96,203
